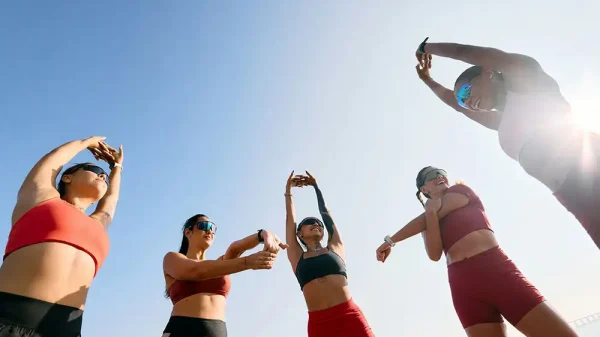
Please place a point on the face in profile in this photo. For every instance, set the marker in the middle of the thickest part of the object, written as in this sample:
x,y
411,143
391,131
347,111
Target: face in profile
x,y
478,94
202,233
311,229
86,181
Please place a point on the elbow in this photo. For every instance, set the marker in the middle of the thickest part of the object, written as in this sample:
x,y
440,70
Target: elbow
x,y
435,257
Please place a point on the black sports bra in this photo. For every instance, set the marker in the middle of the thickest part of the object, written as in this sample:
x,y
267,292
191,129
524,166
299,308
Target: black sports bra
x,y
319,266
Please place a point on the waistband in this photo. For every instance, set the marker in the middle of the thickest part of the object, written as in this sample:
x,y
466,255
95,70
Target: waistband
x,y
196,326
334,312
47,319
483,257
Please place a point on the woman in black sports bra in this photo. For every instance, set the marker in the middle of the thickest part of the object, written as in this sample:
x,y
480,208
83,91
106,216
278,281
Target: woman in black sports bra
x,y
321,270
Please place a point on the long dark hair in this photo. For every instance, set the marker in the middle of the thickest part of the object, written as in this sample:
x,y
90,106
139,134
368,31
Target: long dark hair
x,y
185,243
62,187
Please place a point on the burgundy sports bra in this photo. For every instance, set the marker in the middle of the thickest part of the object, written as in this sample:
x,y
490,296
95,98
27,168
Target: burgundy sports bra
x,y
182,289
465,220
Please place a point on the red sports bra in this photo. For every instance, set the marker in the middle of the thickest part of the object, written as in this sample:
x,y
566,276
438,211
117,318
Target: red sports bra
x,y
465,220
56,220
182,289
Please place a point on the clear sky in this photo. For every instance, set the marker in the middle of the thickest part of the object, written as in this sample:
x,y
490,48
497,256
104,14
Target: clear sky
x,y
216,104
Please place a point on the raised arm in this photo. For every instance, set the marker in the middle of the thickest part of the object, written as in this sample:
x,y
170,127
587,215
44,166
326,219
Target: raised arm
x,y
490,120
105,211
334,238
521,71
40,184
294,251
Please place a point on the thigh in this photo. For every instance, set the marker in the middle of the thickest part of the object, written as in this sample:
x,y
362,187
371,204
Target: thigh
x,y
543,321
513,294
487,330
471,310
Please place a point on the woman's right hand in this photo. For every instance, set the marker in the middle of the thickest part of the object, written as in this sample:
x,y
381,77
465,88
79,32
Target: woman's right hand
x,y
423,67
260,260
383,252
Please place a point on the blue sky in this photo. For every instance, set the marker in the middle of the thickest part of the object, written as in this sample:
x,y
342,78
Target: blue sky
x,y
216,104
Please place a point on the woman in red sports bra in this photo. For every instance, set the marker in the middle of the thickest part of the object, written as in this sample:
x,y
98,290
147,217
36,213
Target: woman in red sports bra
x,y
198,287
321,271
486,285
55,249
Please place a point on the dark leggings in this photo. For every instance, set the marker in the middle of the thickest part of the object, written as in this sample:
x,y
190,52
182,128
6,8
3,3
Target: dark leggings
x,y
180,326
22,316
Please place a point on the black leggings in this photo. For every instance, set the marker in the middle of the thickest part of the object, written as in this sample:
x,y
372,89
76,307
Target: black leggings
x,y
180,326
22,316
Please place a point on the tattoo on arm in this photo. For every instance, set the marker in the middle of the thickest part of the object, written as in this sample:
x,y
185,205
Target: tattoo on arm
x,y
104,218
327,219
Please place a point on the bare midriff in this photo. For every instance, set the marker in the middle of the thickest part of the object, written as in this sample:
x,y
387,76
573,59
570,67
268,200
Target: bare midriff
x,y
49,271
472,244
326,292
201,305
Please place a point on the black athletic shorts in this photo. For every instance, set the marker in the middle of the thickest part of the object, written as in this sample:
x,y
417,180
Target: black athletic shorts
x,y
22,316
180,326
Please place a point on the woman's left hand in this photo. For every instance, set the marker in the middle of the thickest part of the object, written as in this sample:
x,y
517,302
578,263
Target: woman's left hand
x,y
109,154
433,205
271,242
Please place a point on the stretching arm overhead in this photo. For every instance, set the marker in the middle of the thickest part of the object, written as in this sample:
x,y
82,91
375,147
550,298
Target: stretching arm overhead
x,y
490,120
294,250
334,238
105,211
522,73
40,183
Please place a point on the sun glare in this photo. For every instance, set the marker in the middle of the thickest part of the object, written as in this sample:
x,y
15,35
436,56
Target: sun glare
x,y
586,106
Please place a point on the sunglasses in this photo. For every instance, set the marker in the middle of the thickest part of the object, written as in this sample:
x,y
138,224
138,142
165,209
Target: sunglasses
x,y
95,169
311,221
206,226
463,93
434,173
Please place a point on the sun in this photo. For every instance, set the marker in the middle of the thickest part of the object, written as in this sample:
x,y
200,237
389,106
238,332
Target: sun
x,y
586,106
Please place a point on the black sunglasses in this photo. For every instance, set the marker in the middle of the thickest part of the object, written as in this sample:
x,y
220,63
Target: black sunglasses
x,y
93,168
310,222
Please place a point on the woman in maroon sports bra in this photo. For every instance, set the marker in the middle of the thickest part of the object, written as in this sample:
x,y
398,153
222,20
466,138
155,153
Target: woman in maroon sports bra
x,y
198,287
484,282
54,249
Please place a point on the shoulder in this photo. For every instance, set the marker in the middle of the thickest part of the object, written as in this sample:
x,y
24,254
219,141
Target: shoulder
x,y
461,188
170,256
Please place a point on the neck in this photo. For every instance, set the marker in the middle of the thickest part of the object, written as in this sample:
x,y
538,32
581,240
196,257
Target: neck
x,y
81,203
313,246
196,253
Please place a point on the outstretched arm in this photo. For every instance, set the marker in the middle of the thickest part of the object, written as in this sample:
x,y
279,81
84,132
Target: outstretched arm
x,y
105,211
522,73
294,251
40,183
239,247
450,203
486,57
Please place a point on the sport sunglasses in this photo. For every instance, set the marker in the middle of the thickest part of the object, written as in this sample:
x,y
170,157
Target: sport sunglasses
x,y
206,226
463,93
311,221
433,174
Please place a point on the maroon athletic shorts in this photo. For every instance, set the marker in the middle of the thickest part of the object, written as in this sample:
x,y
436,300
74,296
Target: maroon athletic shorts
x,y
344,319
489,285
